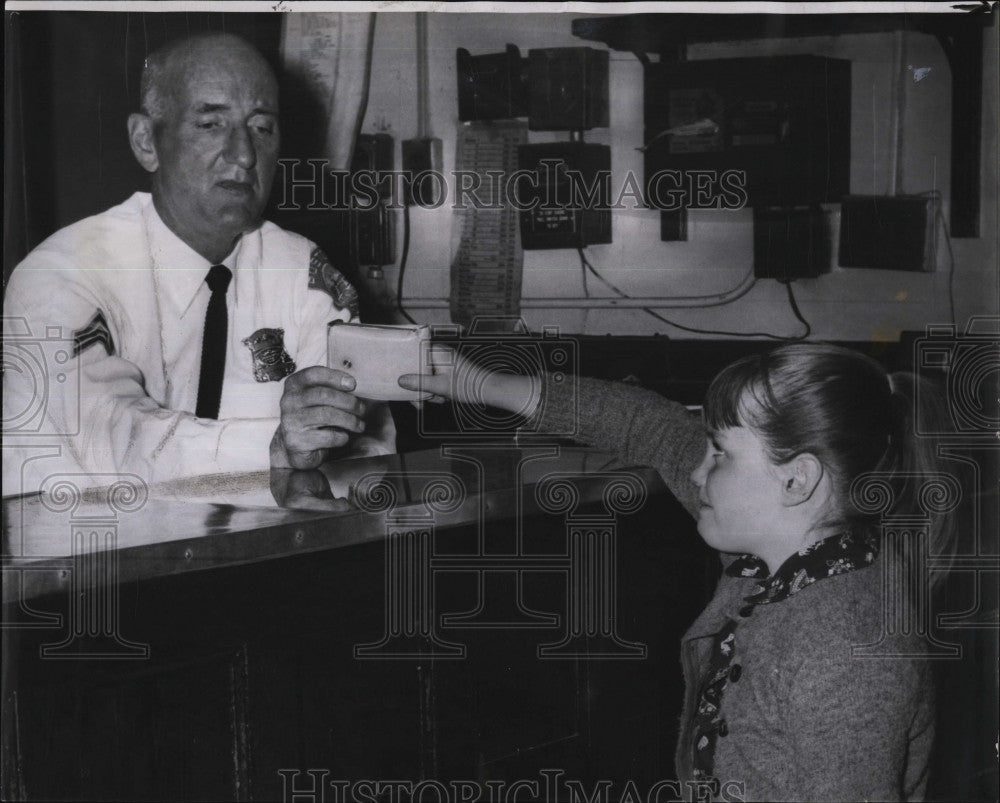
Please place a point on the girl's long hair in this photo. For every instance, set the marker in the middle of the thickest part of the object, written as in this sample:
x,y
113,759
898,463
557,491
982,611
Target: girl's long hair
x,y
842,407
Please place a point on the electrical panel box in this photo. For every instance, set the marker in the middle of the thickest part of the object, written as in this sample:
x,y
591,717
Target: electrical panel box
x,y
790,242
784,122
568,187
888,232
372,231
568,89
373,153
491,87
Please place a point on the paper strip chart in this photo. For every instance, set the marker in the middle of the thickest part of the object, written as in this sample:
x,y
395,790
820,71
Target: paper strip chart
x,y
487,269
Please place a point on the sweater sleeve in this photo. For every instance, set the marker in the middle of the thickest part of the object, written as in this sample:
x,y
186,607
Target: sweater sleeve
x,y
639,426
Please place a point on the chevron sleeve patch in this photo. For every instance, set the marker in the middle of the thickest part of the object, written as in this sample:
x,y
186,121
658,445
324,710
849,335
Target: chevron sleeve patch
x,y
96,331
323,276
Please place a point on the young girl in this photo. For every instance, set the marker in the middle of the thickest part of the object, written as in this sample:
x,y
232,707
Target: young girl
x,y
775,701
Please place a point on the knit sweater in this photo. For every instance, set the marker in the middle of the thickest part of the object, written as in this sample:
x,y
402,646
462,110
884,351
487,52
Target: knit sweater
x,y
806,720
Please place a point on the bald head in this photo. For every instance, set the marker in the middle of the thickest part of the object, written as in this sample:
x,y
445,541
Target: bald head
x,y
169,67
209,135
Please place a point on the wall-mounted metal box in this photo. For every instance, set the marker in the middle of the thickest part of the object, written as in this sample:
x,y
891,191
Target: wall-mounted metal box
x,y
784,120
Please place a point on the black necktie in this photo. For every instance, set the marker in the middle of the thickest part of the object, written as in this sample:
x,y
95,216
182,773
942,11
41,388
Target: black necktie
x,y
213,347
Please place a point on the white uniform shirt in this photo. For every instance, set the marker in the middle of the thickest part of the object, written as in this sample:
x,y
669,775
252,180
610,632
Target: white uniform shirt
x,y
125,299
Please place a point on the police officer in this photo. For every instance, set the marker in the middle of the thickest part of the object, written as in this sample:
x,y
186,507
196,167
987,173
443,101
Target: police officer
x,y
159,298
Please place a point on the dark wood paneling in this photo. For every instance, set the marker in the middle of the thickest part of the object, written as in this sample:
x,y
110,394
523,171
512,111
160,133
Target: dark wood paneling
x,y
252,671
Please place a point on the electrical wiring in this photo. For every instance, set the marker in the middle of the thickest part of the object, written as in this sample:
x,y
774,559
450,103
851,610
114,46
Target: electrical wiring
x,y
738,290
402,264
939,215
951,268
795,310
585,263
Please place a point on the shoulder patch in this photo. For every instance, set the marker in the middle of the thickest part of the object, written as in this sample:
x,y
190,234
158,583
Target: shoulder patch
x,y
323,276
96,331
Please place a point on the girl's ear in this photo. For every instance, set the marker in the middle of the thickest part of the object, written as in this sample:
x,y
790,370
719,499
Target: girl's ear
x,y
800,477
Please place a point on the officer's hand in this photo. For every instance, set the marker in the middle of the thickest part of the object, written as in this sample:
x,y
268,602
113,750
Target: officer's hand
x,y
318,413
306,490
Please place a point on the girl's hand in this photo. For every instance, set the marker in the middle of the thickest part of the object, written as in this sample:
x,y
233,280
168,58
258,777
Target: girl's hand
x,y
461,380
439,384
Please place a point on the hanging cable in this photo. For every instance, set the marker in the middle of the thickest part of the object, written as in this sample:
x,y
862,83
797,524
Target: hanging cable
x,y
423,131
795,310
951,267
586,290
939,215
738,290
402,264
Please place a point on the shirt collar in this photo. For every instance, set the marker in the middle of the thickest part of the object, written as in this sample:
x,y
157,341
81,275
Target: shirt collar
x,y
837,554
180,270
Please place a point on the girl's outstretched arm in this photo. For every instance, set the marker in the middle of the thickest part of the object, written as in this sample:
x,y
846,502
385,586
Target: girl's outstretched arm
x,y
639,426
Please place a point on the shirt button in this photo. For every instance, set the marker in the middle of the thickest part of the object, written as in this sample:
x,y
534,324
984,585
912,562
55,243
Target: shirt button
x,y
723,728
735,672
746,610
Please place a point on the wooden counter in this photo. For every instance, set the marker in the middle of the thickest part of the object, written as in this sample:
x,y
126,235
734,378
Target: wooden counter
x,y
472,614
468,614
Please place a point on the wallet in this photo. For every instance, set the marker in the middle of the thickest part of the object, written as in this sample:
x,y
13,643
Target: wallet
x,y
376,356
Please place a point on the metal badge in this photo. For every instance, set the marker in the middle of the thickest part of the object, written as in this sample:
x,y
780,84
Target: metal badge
x,y
271,362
